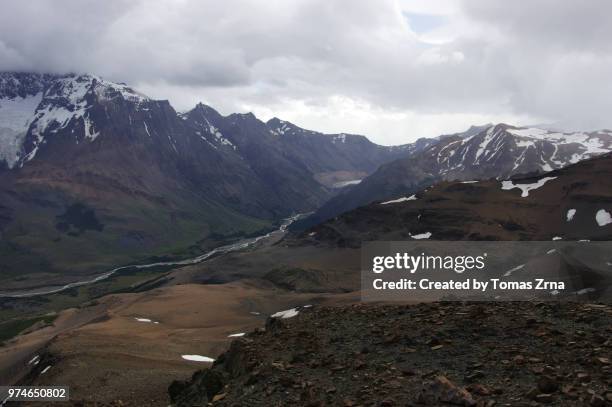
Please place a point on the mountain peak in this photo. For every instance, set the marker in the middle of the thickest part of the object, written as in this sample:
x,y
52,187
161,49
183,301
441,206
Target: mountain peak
x,y
42,104
280,127
471,131
276,122
69,85
243,116
204,109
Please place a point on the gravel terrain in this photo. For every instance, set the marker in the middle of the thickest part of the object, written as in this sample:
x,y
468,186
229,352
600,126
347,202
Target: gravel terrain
x,y
465,354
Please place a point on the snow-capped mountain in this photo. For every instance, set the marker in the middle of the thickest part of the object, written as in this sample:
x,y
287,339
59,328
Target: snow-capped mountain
x,y
84,156
503,150
492,151
34,106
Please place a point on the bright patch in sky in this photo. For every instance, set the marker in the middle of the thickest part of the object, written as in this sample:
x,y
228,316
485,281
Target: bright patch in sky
x,y
421,23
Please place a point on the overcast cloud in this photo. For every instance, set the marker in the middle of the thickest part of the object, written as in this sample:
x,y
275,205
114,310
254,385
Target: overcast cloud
x,y
392,70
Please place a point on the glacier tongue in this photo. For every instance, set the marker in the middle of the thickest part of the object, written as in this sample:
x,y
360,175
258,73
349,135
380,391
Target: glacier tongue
x,y
15,117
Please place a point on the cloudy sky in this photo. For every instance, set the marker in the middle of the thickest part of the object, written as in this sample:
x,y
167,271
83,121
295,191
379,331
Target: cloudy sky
x,y
394,70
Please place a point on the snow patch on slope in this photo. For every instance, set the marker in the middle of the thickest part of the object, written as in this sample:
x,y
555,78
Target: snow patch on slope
x,y
603,218
402,199
198,358
489,136
290,313
517,268
281,129
219,137
341,138
343,184
525,188
208,128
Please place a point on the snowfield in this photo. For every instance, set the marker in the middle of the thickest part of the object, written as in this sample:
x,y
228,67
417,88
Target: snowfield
x,y
591,142
525,188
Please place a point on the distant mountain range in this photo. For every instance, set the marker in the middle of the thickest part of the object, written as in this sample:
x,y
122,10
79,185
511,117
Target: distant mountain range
x,y
573,203
493,151
94,173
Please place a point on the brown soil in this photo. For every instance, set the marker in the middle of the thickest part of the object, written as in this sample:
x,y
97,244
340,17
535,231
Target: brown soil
x,y
118,359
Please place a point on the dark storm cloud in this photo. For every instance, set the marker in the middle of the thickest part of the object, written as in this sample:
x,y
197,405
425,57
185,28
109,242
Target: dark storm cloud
x,y
127,40
324,61
555,56
569,25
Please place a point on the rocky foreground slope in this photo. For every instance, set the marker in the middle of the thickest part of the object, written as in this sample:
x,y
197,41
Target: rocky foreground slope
x,y
517,354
